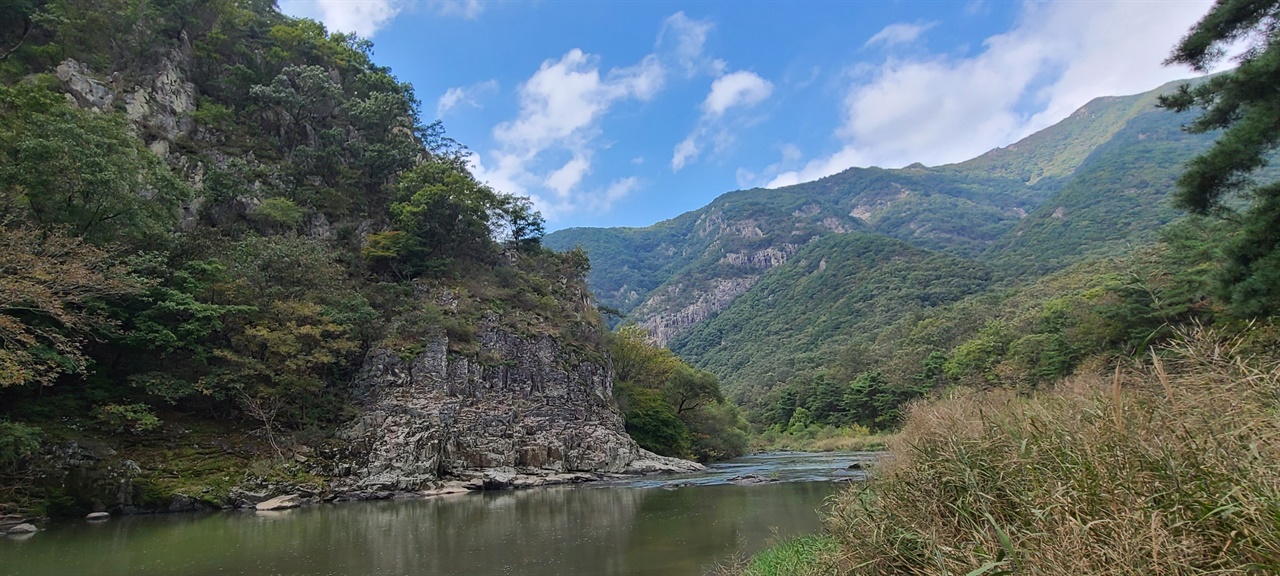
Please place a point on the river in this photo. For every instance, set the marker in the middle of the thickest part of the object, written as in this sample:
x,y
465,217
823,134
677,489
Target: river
x,y
667,525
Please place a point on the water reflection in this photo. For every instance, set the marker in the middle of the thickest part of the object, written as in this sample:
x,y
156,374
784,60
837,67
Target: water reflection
x,y
606,530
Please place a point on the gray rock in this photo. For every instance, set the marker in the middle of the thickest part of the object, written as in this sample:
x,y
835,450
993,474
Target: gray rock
x,y
184,503
280,503
23,528
85,91
749,479
97,516
650,463
533,408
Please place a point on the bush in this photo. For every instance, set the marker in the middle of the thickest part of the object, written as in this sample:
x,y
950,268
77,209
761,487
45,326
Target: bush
x,y
131,418
18,442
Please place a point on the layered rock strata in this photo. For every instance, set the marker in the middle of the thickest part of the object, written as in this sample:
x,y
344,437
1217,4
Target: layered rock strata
x,y
531,409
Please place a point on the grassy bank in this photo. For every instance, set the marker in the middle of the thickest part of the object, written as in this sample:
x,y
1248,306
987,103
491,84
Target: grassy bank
x,y
817,438
1171,466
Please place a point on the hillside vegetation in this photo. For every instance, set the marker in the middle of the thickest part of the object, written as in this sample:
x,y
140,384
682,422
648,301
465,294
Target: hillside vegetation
x,y
735,287
209,213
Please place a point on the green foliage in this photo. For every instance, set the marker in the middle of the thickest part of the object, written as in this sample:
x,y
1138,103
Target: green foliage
x,y
50,288
670,407
279,213
1242,104
126,418
799,557
636,360
688,388
719,431
652,422
18,443
777,331
60,166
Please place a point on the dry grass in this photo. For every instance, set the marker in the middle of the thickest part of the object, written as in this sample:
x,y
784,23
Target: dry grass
x,y
1168,467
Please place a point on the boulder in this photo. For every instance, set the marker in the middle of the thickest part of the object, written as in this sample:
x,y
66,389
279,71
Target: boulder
x,y
23,528
280,503
97,516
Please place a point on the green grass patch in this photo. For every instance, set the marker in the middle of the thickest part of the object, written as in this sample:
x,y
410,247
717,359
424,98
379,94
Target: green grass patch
x,y
800,556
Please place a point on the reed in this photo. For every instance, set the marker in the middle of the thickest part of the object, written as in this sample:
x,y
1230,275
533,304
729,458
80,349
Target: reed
x,y
1169,467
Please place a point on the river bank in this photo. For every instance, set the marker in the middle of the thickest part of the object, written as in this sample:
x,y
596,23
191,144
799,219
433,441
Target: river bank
x,y
659,524
1166,467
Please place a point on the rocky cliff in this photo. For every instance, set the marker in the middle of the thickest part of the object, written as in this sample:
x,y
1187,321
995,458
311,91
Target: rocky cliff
x,y
531,408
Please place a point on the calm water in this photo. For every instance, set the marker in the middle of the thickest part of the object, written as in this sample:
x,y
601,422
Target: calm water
x,y
643,526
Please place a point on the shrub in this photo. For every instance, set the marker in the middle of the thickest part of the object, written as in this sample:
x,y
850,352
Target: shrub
x,y
18,442
131,418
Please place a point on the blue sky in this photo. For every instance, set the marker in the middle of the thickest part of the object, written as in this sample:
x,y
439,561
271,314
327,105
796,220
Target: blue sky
x,y
627,113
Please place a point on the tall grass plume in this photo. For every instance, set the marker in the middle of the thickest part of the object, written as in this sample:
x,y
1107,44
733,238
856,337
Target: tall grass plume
x,y
1167,467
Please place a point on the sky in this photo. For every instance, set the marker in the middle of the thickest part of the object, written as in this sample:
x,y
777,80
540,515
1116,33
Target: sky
x,y
625,113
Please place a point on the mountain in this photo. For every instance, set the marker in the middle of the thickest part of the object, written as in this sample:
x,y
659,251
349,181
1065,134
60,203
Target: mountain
x,y
722,284
235,263
801,314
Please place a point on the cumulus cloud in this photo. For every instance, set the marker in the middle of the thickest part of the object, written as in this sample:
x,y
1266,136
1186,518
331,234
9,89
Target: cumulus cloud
x,y
546,151
365,17
900,33
740,89
464,96
942,108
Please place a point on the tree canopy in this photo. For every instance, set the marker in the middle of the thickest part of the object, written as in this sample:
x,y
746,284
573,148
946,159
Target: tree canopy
x,y
1245,105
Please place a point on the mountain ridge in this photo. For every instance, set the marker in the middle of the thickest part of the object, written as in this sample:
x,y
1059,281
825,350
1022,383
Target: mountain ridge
x,y
680,272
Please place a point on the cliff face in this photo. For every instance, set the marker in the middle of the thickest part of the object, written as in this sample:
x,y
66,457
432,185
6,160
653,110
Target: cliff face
x,y
532,407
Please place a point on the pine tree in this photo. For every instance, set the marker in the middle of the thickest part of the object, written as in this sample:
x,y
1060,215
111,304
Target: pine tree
x,y
1245,104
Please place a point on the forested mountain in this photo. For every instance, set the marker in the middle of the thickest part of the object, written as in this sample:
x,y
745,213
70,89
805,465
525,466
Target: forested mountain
x,y
727,285
232,255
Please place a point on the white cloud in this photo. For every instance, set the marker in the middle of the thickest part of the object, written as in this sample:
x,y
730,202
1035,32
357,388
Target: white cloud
x,y
616,191
900,33
740,88
941,108
466,9
686,150
561,106
366,17
564,180
683,40
464,95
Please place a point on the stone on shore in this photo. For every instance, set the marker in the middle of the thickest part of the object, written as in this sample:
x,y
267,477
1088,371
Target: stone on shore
x,y
97,516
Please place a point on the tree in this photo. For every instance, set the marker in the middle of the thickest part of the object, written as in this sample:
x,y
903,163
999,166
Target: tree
x,y
688,388
48,282
60,166
639,362
1245,104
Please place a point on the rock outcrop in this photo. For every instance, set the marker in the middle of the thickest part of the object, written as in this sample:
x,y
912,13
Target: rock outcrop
x,y
532,408
280,503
